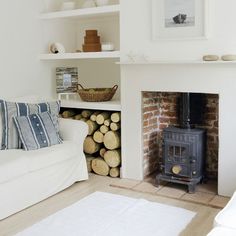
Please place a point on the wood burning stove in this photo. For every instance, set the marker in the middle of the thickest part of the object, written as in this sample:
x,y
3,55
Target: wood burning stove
x,y
183,156
184,147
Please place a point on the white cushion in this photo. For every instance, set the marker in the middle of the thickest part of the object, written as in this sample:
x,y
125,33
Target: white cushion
x,y
222,231
49,156
13,164
17,162
227,216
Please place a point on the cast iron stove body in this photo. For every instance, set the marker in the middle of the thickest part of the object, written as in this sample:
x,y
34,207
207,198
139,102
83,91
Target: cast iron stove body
x,y
183,156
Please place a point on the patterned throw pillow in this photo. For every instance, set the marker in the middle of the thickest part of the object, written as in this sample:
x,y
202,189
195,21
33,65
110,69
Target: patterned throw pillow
x,y
10,137
37,131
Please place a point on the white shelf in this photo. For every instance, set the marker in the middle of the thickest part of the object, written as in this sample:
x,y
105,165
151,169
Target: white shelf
x,y
166,62
113,105
83,13
80,55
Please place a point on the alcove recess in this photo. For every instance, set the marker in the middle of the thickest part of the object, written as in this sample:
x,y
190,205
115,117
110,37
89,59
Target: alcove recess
x,y
98,69
102,145
161,110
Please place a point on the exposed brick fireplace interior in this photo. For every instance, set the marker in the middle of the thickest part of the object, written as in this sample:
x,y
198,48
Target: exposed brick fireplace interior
x,y
160,110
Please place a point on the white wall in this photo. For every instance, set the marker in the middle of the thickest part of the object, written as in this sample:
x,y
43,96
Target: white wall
x,y
20,43
220,79
136,32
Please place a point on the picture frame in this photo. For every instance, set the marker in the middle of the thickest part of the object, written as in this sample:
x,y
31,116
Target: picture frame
x,y
66,80
180,19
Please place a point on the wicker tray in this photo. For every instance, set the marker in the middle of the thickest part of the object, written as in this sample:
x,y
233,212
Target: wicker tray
x,y
96,94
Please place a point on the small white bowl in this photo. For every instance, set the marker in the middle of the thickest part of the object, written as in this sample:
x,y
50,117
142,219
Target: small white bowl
x,y
68,6
102,2
108,46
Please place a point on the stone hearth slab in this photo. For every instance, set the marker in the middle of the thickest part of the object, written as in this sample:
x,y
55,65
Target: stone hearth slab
x,y
146,188
169,191
198,197
219,201
209,187
125,183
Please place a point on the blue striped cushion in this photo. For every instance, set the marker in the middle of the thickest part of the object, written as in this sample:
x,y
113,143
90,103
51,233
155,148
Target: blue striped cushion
x,y
37,131
10,137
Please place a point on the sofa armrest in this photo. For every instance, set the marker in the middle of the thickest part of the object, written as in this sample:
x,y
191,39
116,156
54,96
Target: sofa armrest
x,y
73,130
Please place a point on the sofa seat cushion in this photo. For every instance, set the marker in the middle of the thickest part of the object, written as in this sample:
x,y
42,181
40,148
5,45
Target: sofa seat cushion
x,y
13,164
226,217
222,231
41,158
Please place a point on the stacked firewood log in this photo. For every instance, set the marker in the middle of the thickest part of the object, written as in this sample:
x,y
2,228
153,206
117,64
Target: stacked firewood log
x,y
103,143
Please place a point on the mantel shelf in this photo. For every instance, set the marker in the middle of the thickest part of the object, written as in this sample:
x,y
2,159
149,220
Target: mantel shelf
x,y
113,105
80,55
83,13
177,62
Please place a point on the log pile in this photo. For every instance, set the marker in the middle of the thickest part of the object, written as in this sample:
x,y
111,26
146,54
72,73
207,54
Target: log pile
x,y
103,143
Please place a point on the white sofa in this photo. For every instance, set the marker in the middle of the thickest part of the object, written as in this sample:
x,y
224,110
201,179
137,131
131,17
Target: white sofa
x,y
28,177
225,221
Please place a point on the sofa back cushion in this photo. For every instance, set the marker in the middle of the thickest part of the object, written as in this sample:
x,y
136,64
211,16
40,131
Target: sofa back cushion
x,y
10,137
37,131
23,99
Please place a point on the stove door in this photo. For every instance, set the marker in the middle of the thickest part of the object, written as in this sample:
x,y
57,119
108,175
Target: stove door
x,y
177,159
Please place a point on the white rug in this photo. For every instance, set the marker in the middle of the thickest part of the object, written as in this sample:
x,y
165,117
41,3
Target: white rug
x,y
108,214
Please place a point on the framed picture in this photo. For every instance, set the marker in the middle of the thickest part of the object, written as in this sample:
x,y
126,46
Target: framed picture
x,y
66,79
179,19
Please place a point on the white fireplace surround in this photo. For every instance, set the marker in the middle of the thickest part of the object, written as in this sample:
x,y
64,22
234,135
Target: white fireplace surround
x,y
216,78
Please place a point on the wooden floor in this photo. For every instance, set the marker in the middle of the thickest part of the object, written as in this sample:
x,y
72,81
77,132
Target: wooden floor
x,y
200,225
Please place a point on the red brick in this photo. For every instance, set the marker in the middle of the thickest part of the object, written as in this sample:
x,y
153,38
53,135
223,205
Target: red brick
x,y
147,115
163,126
156,113
149,108
164,120
148,102
152,121
146,130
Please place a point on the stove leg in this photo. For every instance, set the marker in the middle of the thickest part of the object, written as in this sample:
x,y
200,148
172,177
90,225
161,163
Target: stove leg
x,y
191,188
157,182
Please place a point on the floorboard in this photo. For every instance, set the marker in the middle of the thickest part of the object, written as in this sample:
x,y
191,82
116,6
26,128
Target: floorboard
x,y
200,225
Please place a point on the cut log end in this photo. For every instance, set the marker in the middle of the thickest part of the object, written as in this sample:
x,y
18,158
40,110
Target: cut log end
x,y
112,140
86,113
89,162
93,126
115,126
113,158
102,117
115,117
90,146
104,129
100,167
102,152
98,137
114,172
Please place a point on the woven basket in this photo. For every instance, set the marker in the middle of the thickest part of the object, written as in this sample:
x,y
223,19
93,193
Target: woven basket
x,y
96,94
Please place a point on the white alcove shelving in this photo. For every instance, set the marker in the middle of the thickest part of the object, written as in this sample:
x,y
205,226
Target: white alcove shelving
x,y
98,69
